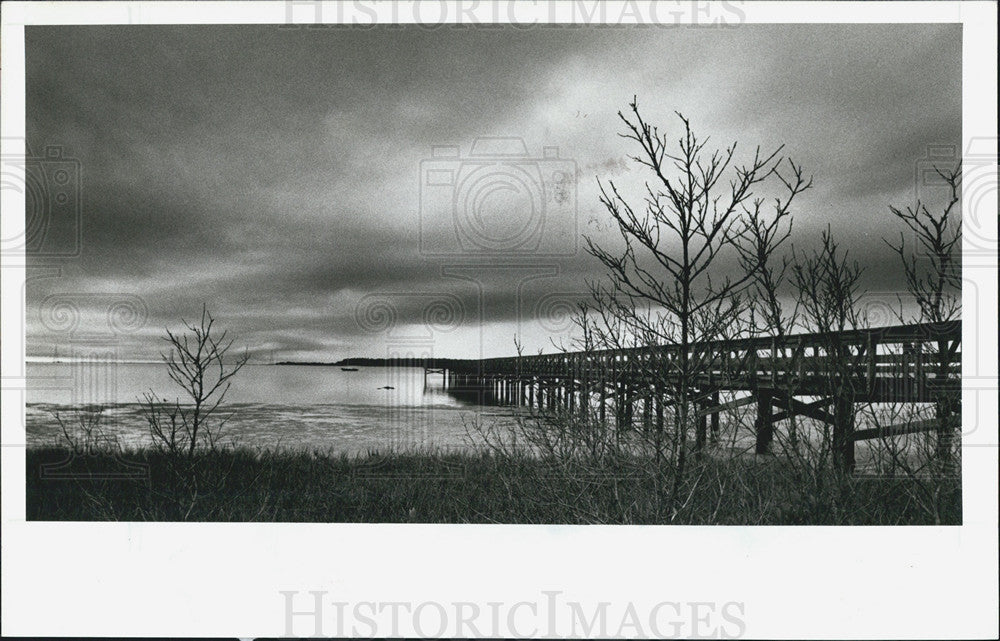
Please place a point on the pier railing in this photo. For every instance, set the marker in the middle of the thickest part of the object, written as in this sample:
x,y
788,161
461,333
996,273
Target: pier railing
x,y
918,363
899,362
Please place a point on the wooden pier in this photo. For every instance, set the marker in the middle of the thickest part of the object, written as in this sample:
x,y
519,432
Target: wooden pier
x,y
821,376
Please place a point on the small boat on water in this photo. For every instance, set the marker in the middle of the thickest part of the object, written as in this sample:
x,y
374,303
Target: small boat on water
x,y
348,369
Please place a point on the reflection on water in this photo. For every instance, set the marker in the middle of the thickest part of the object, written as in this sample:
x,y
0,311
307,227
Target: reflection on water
x,y
296,407
340,428
314,408
298,385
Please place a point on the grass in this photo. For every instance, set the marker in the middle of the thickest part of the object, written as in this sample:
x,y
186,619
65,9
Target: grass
x,y
244,485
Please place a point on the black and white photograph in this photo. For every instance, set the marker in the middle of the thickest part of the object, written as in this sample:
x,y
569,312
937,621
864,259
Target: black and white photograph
x,y
559,270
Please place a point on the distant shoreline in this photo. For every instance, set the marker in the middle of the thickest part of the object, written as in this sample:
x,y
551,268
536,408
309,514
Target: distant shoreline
x,y
370,362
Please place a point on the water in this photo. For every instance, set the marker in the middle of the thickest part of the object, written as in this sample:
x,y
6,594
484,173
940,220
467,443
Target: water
x,y
287,406
295,407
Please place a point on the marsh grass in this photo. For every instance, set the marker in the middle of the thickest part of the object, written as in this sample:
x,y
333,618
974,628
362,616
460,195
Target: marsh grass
x,y
246,485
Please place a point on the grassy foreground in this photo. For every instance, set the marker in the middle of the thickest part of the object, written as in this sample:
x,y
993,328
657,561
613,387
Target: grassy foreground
x,y
244,485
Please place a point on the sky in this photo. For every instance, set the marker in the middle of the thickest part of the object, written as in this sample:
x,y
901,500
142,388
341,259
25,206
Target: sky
x,y
302,183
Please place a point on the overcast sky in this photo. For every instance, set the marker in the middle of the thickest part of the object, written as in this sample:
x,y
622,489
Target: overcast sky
x,y
276,174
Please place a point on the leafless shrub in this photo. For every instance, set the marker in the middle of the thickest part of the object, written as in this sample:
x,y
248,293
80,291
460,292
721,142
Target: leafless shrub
x,y
83,431
914,457
197,362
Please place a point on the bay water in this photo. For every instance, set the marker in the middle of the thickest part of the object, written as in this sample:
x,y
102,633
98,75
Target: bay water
x,y
297,407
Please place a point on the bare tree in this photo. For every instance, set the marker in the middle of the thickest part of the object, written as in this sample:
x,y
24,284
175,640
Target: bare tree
x,y
197,362
762,237
829,287
666,283
935,281
165,423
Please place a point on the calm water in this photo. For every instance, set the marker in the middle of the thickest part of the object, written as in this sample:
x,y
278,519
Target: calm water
x,y
288,406
297,407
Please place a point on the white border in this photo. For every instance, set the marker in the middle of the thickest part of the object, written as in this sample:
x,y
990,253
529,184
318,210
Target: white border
x,y
223,579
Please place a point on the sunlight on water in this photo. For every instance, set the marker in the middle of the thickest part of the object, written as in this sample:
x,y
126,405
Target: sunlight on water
x,y
295,407
316,408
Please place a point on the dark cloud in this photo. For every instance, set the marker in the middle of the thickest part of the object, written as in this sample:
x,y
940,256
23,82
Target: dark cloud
x,y
275,173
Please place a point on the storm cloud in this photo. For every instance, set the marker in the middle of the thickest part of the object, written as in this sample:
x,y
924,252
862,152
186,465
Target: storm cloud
x,y
276,174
